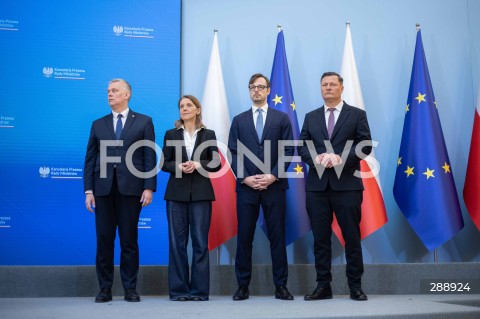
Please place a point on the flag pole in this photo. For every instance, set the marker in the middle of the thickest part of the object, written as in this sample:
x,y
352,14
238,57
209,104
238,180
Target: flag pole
x,y
435,251
279,27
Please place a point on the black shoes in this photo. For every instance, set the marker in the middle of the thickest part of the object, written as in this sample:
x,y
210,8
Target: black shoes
x,y
104,295
180,299
241,294
131,295
358,295
282,293
320,293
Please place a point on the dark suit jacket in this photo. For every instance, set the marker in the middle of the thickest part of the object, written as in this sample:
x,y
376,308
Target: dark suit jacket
x,y
194,186
351,125
277,127
137,127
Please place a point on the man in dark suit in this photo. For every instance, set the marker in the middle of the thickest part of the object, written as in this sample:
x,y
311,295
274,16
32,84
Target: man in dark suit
x,y
256,133
335,138
118,187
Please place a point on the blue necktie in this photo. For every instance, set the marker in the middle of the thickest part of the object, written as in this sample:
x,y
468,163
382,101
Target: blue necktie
x,y
119,127
259,125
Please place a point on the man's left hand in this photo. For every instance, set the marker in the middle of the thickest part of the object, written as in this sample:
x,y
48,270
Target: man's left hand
x,y
147,197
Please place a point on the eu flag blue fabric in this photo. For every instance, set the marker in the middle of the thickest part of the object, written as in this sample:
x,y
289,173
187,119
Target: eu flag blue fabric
x,y
281,98
424,188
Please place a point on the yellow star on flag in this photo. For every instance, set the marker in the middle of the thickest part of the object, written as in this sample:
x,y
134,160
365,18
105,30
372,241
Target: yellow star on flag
x,y
407,108
429,173
298,169
436,106
420,98
294,107
277,99
399,161
409,171
446,167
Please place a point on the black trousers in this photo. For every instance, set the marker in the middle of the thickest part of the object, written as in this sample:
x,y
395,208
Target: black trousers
x,y
347,208
117,211
272,202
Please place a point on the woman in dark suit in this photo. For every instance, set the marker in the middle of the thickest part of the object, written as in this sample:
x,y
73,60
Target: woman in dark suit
x,y
189,197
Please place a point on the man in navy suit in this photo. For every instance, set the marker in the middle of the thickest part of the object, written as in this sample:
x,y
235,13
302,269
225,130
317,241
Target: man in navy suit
x,y
118,187
254,142
335,138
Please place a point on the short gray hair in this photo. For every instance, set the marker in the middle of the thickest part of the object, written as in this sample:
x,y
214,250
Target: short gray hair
x,y
129,87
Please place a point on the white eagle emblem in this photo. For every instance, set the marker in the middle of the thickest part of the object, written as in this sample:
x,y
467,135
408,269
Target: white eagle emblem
x,y
44,171
118,29
47,71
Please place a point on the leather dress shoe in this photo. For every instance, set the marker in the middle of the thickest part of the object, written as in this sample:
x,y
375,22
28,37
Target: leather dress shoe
x,y
358,295
282,293
320,293
241,294
131,295
104,295
196,298
180,299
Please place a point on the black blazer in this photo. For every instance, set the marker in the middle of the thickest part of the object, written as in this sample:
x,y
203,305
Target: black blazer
x,y
352,125
277,127
137,127
194,186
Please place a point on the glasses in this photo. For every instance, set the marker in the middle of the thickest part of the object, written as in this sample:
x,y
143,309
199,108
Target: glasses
x,y
258,87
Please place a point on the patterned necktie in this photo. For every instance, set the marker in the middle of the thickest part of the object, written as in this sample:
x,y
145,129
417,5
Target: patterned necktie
x,y
259,125
331,122
119,127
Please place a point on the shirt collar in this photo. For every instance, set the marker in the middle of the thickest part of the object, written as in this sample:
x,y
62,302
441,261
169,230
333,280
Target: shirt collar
x,y
181,127
124,113
264,108
338,107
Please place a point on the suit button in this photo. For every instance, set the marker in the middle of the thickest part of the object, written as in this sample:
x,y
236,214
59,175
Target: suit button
x,y
261,146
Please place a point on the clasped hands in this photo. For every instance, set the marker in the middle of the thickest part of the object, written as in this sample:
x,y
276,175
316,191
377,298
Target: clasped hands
x,y
328,160
188,167
259,182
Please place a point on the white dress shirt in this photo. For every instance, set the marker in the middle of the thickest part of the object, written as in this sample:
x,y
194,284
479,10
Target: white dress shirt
x,y
336,113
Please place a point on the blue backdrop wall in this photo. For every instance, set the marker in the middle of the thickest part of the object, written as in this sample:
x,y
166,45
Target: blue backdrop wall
x,y
56,61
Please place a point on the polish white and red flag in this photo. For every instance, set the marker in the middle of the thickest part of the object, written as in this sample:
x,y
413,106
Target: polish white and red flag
x,y
471,190
374,214
216,117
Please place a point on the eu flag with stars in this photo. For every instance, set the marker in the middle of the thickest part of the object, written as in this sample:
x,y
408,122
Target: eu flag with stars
x,y
424,188
297,223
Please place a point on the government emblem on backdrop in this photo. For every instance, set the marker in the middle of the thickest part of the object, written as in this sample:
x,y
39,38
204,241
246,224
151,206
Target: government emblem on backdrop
x,y
118,30
47,71
44,171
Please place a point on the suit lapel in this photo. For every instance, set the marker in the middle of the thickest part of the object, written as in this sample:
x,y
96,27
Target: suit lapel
x,y
179,137
248,119
270,118
109,123
323,124
130,119
341,119
198,140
